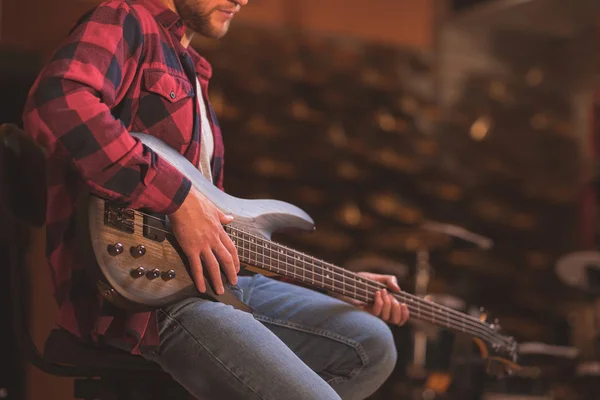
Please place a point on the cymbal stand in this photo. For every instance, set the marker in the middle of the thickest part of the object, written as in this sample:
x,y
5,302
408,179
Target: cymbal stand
x,y
422,278
423,272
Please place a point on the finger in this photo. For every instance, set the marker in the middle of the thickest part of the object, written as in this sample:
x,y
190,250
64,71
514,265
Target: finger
x,y
228,243
224,218
377,305
197,275
396,312
387,306
357,303
393,284
405,314
226,262
213,270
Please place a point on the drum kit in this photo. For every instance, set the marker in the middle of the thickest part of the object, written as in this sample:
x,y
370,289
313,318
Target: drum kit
x,y
435,363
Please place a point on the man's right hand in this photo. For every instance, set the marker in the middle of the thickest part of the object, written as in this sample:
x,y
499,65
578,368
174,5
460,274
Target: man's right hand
x,y
198,228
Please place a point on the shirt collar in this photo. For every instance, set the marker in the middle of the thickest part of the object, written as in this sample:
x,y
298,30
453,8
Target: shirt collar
x,y
173,22
164,16
203,67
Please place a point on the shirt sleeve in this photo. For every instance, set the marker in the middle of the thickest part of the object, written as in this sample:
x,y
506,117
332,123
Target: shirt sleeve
x,y
68,112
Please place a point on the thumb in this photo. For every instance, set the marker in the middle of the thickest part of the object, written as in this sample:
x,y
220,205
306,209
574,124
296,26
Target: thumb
x,y
224,218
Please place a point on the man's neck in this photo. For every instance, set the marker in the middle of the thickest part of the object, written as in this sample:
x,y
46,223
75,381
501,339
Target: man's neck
x,y
189,34
187,37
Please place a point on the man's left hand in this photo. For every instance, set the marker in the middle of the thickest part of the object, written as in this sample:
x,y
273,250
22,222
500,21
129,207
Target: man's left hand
x,y
386,306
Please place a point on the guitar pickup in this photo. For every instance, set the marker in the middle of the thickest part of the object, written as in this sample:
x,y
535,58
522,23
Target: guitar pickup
x,y
155,227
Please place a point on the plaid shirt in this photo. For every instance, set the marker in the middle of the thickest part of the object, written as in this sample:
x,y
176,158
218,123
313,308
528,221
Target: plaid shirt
x,y
122,68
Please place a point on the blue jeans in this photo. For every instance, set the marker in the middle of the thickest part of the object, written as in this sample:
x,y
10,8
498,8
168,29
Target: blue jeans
x,y
297,345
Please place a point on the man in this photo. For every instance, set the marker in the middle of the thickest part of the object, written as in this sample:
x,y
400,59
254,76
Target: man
x,y
127,66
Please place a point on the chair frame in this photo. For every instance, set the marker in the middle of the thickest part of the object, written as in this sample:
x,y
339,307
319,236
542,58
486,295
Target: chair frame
x,y
16,227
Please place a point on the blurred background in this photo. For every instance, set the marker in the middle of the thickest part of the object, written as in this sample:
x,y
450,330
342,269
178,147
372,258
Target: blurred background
x,y
379,117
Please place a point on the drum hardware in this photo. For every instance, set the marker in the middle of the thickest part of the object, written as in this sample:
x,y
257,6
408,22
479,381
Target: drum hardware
x,y
580,270
506,396
431,231
543,367
587,378
422,277
589,368
452,365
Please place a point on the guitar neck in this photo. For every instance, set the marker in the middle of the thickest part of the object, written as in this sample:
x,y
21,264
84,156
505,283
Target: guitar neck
x,y
270,256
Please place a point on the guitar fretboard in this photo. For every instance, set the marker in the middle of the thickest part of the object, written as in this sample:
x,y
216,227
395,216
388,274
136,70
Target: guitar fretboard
x,y
268,255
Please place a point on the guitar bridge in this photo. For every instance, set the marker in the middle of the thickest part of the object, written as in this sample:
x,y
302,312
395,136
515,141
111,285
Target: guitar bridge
x,y
119,217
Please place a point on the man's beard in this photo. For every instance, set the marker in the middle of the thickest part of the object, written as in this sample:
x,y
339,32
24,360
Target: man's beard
x,y
197,20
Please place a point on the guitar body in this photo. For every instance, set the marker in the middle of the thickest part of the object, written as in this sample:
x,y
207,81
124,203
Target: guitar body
x,y
122,243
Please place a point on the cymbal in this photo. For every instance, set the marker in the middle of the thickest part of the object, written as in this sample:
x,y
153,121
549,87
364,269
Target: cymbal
x,y
550,350
378,264
457,232
408,239
428,235
580,270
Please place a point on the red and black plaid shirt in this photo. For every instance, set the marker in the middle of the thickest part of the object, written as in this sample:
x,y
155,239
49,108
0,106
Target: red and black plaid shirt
x,y
122,69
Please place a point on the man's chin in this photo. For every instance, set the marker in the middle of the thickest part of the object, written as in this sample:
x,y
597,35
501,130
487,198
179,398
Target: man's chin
x,y
215,32
222,31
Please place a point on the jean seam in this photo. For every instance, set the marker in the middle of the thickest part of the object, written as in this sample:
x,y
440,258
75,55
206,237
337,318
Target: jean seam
x,y
250,291
212,355
362,354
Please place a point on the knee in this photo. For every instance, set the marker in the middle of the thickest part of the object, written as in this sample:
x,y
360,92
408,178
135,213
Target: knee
x,y
380,348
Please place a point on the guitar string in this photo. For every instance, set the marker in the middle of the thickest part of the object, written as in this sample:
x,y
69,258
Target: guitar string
x,y
369,283
329,265
419,313
459,325
461,322
462,318
478,330
403,296
351,274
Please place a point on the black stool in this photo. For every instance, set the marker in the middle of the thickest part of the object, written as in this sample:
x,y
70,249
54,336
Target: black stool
x,y
100,373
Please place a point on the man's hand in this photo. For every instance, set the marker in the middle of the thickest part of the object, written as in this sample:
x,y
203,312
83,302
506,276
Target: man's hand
x,y
198,228
386,306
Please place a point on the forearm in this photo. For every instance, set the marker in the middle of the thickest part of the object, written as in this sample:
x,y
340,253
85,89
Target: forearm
x,y
112,163
69,113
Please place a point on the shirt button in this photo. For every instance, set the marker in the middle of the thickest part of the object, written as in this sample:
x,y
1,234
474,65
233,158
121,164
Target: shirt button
x,y
172,94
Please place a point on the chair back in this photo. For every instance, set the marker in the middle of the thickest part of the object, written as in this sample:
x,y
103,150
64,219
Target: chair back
x,y
22,177
22,209
22,234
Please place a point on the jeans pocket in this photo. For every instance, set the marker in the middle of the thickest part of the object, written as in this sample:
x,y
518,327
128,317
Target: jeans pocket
x,y
166,324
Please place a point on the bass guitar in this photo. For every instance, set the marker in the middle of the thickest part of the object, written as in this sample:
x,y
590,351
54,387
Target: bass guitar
x,y
141,266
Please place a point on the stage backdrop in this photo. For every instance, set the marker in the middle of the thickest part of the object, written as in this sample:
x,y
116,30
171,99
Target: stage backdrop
x,y
40,24
37,26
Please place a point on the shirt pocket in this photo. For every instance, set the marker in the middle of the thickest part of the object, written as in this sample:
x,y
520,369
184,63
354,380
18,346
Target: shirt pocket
x,y
166,107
